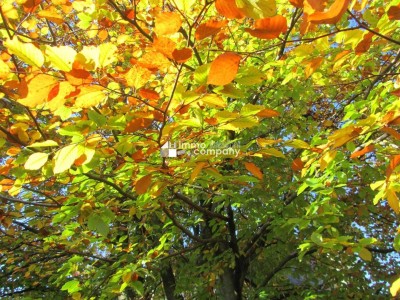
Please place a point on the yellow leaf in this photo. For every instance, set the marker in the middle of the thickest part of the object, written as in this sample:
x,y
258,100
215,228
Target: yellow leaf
x,y
65,157
61,57
107,54
89,57
197,170
327,158
36,161
240,123
4,70
392,199
39,88
297,144
27,52
257,9
90,96
58,101
213,100
394,289
137,77
365,254
344,135
313,65
272,152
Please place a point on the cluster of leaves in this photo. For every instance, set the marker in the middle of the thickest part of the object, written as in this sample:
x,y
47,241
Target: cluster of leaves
x,y
307,90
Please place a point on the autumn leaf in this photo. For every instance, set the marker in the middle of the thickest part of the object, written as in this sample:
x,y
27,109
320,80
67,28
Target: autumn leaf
x,y
36,161
297,3
196,171
209,28
143,184
394,12
228,9
39,88
25,51
257,9
65,157
394,161
253,169
313,65
89,96
223,69
164,45
297,164
167,23
393,200
269,28
363,151
330,16
61,57
182,55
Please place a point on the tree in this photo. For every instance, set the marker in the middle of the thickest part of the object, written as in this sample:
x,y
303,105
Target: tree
x,y
182,149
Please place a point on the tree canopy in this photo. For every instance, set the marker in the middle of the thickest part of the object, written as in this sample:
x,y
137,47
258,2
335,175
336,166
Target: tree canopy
x,y
183,149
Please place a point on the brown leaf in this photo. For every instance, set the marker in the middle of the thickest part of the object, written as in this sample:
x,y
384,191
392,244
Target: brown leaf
x,y
143,184
297,164
363,151
394,12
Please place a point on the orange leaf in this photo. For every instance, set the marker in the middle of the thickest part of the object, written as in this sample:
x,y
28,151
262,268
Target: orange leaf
x,y
31,5
164,45
149,94
394,161
182,55
137,124
394,12
51,14
330,16
39,88
167,23
228,9
6,184
297,164
269,28
313,65
363,151
143,184
297,3
253,169
392,132
209,28
267,113
223,69
79,77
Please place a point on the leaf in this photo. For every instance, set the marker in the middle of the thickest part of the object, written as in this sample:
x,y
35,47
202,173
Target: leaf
x,y
65,157
27,52
51,14
393,200
36,161
143,184
363,151
313,65
394,161
365,254
297,164
269,28
39,88
268,113
182,55
223,69
395,287
47,143
229,9
299,144
196,171
97,224
167,23
394,12
327,158
297,3
61,57
213,100
90,96
164,45
107,54
257,9
249,76
209,28
137,77
253,169
330,16
71,286
344,135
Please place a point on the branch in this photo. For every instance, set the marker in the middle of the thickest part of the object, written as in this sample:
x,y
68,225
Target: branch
x,y
200,208
112,184
295,18
27,202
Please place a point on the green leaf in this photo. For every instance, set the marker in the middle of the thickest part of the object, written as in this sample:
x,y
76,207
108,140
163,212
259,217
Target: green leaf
x,y
71,286
27,52
96,223
249,75
65,157
99,119
365,254
36,161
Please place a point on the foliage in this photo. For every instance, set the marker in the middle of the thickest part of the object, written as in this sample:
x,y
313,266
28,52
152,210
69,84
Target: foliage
x,y
307,93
